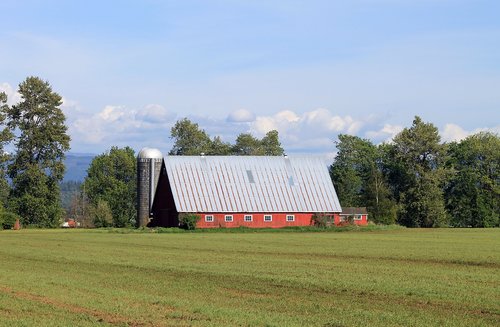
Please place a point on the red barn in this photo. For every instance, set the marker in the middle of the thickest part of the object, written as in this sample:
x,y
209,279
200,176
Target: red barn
x,y
252,191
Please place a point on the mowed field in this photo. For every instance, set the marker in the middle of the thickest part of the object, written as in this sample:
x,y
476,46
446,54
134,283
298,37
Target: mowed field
x,y
404,277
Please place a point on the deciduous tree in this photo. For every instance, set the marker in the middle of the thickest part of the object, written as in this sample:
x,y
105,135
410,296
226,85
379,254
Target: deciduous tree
x,y
112,177
473,191
271,145
189,139
219,147
358,178
247,145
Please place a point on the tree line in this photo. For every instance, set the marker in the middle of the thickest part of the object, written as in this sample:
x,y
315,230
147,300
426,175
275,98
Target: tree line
x,y
418,181
189,139
415,180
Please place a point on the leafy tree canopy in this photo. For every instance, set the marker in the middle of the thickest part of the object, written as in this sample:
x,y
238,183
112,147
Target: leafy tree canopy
x,y
111,177
473,190
189,139
358,178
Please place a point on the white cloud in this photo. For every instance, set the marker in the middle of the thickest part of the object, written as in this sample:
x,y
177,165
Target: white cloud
x,y
454,132
118,125
385,134
113,113
154,113
241,116
317,121
69,104
13,96
284,121
313,131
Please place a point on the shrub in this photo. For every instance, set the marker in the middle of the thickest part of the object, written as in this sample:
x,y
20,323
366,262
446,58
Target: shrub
x,y
101,214
348,221
188,220
161,230
322,220
7,220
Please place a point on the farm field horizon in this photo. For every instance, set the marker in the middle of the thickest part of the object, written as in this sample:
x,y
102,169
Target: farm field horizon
x,y
401,277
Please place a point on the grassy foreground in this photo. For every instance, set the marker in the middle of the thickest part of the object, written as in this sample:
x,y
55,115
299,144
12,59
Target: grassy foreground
x,y
414,277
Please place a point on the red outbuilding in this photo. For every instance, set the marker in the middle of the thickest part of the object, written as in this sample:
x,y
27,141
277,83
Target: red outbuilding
x,y
356,215
251,191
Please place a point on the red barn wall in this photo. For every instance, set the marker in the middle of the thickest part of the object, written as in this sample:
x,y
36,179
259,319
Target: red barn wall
x,y
278,220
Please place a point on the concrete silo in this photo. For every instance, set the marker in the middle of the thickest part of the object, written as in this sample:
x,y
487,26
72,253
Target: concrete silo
x,y
149,162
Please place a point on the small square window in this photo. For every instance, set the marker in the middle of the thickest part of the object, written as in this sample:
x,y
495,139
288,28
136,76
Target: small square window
x,y
248,218
290,218
268,218
209,218
357,217
228,218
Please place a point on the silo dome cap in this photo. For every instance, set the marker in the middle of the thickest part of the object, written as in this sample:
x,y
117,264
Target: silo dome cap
x,y
149,153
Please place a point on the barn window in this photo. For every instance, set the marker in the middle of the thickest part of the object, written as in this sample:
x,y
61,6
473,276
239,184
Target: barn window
x,y
228,218
209,218
357,217
268,218
290,218
248,218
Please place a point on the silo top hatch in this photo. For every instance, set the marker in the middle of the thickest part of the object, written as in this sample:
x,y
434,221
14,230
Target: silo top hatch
x,y
149,153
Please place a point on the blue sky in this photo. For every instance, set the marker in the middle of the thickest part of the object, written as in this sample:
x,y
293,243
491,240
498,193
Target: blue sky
x,y
311,69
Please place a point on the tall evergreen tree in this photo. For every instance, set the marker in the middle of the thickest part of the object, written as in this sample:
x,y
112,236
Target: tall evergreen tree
x,y
418,175
5,137
41,142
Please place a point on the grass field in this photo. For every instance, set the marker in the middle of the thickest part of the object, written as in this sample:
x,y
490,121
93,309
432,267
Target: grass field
x,y
406,277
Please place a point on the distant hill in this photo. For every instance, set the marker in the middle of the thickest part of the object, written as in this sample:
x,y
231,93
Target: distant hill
x,y
77,165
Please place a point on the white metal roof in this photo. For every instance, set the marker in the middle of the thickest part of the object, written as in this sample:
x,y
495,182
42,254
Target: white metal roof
x,y
251,184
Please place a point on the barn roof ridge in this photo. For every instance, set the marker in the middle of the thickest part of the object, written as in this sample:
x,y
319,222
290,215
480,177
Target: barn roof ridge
x,y
295,156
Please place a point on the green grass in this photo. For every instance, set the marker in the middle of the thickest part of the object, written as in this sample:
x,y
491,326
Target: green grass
x,y
393,277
